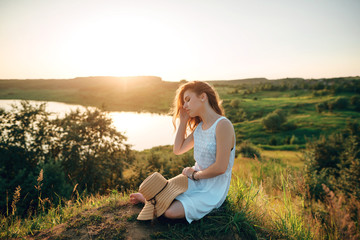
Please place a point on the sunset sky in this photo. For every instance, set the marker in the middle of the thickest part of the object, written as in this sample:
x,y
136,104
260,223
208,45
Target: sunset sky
x,y
192,40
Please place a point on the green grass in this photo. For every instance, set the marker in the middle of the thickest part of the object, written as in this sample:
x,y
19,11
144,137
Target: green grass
x,y
308,122
271,191
59,95
265,201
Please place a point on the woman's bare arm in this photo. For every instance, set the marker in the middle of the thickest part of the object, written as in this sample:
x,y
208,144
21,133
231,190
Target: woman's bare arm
x,y
183,144
225,140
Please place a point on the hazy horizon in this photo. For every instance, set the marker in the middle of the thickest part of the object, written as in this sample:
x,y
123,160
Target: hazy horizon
x,y
175,40
179,79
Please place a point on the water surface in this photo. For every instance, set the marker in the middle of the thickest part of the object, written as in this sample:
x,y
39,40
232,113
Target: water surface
x,y
143,130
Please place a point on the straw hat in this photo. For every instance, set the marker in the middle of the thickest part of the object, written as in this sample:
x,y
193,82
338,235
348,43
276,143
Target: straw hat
x,y
159,194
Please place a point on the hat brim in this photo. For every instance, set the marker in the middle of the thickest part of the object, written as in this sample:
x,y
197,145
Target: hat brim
x,y
176,186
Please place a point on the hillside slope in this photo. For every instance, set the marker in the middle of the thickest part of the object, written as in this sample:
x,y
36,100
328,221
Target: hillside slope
x,y
116,220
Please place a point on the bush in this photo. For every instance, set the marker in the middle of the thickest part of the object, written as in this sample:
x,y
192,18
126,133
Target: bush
x,y
274,121
235,103
80,149
236,115
273,141
355,101
339,103
289,126
247,149
320,107
286,140
334,161
294,139
332,173
323,92
257,114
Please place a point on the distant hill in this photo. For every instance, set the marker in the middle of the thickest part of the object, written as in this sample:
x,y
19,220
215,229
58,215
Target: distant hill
x,y
238,81
143,93
77,82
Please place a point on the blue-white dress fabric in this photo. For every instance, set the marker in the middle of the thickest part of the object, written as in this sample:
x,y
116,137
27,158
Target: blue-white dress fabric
x,y
204,195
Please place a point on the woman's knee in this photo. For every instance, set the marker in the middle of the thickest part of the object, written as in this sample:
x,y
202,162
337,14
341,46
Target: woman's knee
x,y
175,211
170,213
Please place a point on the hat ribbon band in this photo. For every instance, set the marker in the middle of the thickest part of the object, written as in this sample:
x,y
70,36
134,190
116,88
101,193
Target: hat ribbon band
x,y
153,200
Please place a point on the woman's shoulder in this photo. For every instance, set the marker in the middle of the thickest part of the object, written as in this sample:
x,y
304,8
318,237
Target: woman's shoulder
x,y
224,124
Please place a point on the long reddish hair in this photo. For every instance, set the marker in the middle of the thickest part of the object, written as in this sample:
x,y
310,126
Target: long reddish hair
x,y
198,88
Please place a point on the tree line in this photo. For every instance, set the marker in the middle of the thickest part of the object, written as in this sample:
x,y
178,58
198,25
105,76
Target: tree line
x,y
81,152
46,160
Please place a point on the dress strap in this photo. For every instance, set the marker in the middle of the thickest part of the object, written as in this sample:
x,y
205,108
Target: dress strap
x,y
217,120
213,126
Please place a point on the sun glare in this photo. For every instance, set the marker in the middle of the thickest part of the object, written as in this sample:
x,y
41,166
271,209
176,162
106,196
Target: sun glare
x,y
110,47
143,129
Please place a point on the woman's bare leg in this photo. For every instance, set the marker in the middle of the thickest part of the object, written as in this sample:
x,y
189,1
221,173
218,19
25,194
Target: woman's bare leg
x,y
136,198
175,211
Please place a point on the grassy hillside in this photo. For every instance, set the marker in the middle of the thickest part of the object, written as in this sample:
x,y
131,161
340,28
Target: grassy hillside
x,y
301,112
266,200
248,212
269,196
115,93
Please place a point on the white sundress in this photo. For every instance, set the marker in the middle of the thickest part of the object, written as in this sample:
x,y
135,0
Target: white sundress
x,y
204,195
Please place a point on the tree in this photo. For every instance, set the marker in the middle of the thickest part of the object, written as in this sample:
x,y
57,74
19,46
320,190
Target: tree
x,y
82,148
340,103
274,121
355,101
334,161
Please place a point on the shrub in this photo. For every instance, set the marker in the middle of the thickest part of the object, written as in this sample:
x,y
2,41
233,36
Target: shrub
x,y
320,107
258,114
235,103
287,140
82,148
294,139
318,93
355,101
274,121
332,173
340,103
334,161
273,141
289,126
247,149
236,115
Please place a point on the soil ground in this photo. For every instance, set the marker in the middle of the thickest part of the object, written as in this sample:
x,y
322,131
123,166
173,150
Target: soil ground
x,y
105,223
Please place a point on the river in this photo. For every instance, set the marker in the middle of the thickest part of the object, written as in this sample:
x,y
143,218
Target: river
x,y
143,130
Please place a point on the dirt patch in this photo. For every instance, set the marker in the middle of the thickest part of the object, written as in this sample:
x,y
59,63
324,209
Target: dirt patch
x,y
103,223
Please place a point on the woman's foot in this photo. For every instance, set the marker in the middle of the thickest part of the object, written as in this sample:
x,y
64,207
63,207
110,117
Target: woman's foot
x,y
136,198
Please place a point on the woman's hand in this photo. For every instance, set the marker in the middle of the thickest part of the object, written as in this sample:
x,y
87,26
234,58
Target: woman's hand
x,y
184,116
188,171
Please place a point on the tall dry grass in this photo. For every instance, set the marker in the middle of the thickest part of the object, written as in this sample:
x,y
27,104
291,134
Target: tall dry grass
x,y
275,194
